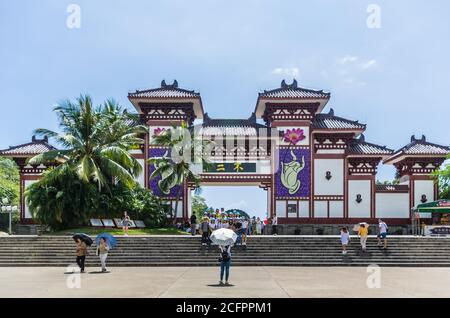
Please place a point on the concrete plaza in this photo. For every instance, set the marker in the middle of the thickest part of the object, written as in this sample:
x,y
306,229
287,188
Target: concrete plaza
x,y
254,282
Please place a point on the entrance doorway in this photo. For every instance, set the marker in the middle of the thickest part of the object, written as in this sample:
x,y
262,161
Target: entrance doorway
x,y
249,198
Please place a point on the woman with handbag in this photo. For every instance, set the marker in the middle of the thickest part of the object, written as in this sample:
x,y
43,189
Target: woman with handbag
x,y
102,252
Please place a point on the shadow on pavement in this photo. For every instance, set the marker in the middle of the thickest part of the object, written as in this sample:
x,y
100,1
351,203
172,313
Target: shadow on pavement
x,y
218,285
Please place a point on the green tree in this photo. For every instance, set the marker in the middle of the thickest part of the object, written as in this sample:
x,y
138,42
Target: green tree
x,y
9,187
442,176
96,143
199,206
94,160
185,149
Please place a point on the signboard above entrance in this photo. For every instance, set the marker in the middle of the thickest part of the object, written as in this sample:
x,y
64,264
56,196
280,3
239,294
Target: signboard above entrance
x,y
230,167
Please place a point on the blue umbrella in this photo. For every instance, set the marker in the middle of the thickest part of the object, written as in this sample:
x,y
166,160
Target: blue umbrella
x,y
110,240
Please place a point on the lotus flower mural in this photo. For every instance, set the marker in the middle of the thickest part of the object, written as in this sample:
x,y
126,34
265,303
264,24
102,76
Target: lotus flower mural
x,y
158,131
293,136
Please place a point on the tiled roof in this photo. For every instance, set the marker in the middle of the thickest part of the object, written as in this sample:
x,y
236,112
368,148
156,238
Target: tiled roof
x,y
233,127
36,146
292,91
165,91
419,147
329,121
360,146
423,147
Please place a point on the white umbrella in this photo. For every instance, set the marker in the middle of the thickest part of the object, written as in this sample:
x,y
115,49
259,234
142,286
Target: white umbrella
x,y
356,227
223,237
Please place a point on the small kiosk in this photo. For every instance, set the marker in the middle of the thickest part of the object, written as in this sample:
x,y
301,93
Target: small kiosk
x,y
440,216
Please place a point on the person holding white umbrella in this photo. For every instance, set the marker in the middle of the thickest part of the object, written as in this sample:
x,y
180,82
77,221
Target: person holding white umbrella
x,y
363,232
225,238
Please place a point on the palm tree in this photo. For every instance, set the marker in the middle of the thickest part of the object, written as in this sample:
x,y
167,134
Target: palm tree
x,y
96,143
176,172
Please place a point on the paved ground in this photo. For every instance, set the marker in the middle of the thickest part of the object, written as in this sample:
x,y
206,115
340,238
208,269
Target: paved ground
x,y
248,282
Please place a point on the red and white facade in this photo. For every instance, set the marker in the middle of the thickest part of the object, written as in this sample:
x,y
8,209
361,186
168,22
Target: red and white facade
x,y
328,176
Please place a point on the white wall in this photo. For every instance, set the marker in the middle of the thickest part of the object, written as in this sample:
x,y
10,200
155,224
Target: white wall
x,y
392,205
304,209
336,209
27,210
320,209
423,187
280,208
179,208
361,209
334,186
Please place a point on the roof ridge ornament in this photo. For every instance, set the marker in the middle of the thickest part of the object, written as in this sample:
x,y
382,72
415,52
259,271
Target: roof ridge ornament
x,y
206,118
165,85
331,112
252,118
293,85
362,138
423,139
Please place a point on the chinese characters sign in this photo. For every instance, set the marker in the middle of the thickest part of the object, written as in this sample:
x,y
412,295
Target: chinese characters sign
x,y
231,167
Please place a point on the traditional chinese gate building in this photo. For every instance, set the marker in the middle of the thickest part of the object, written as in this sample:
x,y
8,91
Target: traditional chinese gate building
x,y
316,167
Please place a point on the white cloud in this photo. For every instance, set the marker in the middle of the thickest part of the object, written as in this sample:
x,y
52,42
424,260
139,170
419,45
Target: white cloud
x,y
368,64
348,59
289,71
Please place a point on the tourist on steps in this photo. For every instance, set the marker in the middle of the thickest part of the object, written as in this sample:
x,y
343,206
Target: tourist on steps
x,y
274,224
345,238
204,228
81,253
258,226
102,252
382,233
225,262
125,223
193,224
363,232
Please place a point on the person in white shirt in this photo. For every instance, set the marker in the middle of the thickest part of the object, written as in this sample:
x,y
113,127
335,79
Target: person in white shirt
x,y
345,238
382,233
244,231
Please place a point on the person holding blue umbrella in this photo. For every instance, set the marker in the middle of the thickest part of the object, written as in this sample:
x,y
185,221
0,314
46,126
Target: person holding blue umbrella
x,y
104,242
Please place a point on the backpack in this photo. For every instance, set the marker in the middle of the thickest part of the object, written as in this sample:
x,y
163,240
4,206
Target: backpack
x,y
225,256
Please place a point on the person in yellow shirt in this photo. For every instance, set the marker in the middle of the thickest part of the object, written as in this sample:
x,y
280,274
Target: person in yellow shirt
x,y
363,232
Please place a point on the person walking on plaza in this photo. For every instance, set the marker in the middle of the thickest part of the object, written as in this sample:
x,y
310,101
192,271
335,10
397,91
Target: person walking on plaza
x,y
193,224
382,233
225,262
125,223
81,253
274,224
345,238
204,228
102,252
363,232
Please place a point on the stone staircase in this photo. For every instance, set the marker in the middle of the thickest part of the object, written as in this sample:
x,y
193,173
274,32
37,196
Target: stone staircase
x,y
260,251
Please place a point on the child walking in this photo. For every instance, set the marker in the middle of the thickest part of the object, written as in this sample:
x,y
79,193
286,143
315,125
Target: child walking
x,y
345,238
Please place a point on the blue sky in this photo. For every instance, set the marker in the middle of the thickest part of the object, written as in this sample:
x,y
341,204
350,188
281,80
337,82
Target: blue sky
x,y
392,78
